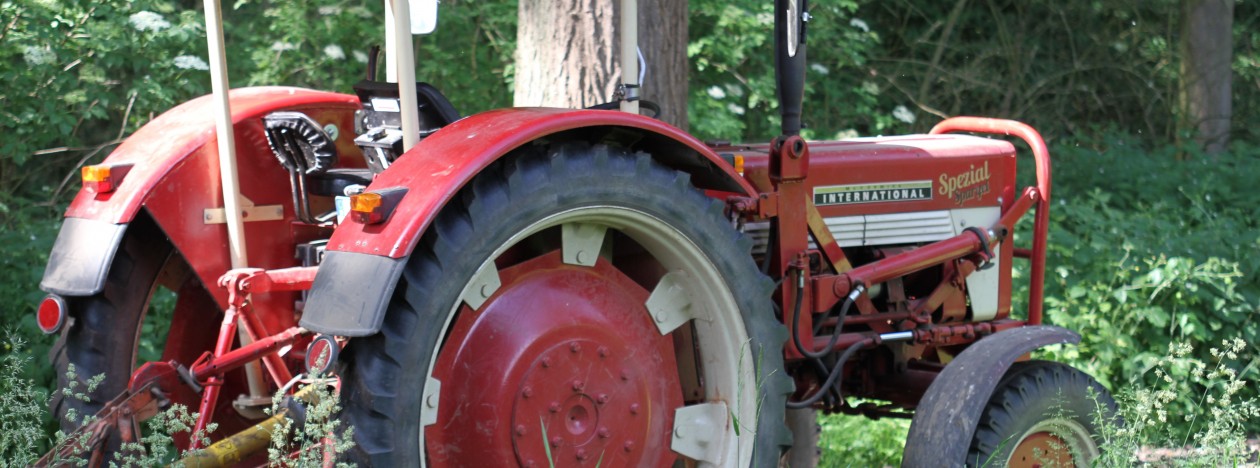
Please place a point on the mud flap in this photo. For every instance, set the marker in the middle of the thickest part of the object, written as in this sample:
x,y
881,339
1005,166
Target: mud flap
x,y
946,418
350,293
80,258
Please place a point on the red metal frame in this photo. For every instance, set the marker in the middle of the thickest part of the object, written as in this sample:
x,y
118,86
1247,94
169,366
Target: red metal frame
x,y
1041,226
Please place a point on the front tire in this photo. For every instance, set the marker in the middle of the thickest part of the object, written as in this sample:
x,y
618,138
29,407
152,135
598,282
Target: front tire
x,y
1042,413
578,305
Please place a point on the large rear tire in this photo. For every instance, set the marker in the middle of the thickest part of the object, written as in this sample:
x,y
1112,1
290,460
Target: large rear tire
x,y
1042,413
103,339
521,331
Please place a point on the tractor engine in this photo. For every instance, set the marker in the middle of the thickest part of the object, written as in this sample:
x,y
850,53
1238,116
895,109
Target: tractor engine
x,y
883,196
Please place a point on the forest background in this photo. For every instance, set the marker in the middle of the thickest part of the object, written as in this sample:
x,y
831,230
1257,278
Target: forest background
x,y
1155,236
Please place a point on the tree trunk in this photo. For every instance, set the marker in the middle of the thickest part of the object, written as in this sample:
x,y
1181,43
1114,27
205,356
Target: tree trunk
x,y
1207,50
568,54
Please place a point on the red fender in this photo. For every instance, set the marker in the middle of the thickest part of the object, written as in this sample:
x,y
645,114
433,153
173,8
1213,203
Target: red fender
x,y
435,170
175,178
363,262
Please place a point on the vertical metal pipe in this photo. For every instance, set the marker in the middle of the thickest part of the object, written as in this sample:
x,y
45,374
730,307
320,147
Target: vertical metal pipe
x,y
391,54
226,139
405,61
630,54
227,161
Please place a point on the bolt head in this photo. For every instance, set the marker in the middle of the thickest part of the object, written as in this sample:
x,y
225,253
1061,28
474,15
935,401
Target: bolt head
x,y
603,351
578,385
582,455
575,347
555,441
546,362
431,401
520,429
554,407
628,446
604,433
602,398
634,408
527,391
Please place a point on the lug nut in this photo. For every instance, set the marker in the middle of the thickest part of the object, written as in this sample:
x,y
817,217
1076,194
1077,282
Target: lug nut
x,y
628,446
575,347
603,351
554,407
581,454
546,362
634,408
603,398
578,385
520,429
527,391
555,441
604,433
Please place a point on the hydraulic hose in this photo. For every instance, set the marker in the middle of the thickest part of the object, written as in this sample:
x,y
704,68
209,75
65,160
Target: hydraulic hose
x,y
836,372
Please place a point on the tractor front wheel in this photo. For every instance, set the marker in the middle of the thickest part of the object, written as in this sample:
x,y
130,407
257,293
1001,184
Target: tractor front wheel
x,y
1042,414
575,305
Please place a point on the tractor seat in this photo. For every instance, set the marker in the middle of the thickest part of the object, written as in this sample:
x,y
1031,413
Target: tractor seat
x,y
333,182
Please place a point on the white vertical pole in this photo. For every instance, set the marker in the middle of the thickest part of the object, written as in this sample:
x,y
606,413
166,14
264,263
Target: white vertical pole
x,y
391,54
406,73
227,141
227,164
630,53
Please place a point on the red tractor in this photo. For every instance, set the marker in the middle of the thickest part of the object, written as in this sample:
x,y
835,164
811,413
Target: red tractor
x,y
554,286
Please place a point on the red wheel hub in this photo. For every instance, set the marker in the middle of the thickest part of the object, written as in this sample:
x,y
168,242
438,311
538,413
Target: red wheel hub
x,y
562,359
1041,449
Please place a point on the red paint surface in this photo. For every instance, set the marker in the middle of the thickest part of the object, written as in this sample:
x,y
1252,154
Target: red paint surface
x,y
175,177
567,348
441,164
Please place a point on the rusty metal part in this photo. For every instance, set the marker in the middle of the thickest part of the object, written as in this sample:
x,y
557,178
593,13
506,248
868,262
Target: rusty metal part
x,y
236,448
123,413
569,359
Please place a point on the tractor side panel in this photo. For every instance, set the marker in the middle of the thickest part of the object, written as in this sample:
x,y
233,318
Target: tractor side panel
x,y
350,299
175,177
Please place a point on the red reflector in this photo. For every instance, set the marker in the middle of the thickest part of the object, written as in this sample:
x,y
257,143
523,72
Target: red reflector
x,y
51,314
321,355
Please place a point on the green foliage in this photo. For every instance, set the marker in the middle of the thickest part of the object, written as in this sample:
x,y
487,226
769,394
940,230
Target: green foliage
x,y
21,407
1146,251
732,85
320,437
853,441
1217,430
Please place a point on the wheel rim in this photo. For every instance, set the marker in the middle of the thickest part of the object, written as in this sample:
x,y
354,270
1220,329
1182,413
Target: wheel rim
x,y
1054,442
528,374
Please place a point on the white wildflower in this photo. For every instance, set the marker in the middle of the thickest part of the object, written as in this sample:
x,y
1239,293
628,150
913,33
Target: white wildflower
x,y
359,56
281,46
333,51
735,109
149,21
818,67
329,10
903,114
190,62
857,23
716,92
869,87
35,56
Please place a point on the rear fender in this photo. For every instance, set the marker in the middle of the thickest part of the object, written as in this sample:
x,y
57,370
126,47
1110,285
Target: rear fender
x,y
946,417
363,262
175,178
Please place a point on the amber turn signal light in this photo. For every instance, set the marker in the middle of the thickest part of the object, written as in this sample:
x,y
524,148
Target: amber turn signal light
x,y
375,206
104,178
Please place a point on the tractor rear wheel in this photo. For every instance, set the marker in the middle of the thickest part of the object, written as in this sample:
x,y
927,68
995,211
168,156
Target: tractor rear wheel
x,y
575,305
104,337
1042,413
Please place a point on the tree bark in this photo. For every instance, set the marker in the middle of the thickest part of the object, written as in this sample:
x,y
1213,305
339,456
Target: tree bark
x,y
1207,50
568,54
